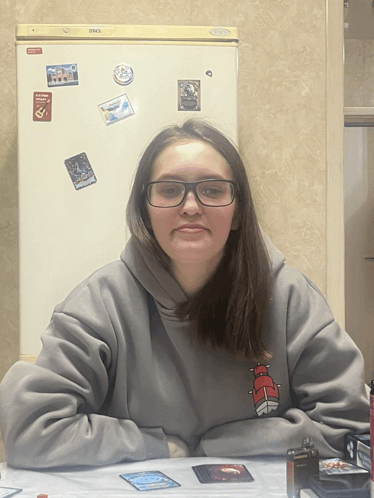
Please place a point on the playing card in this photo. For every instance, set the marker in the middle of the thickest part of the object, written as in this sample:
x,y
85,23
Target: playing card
x,y
149,480
222,473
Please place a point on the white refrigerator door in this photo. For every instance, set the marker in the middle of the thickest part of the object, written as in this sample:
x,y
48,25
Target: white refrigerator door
x,y
65,233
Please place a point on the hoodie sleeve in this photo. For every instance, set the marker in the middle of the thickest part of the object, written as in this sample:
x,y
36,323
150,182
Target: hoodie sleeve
x,y
50,410
326,387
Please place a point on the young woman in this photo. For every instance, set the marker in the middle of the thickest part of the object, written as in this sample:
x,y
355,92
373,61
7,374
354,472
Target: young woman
x,y
199,341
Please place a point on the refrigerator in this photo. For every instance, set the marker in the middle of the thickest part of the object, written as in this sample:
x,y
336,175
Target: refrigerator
x,y
90,99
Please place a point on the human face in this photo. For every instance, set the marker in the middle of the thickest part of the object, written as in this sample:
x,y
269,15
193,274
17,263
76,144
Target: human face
x,y
191,232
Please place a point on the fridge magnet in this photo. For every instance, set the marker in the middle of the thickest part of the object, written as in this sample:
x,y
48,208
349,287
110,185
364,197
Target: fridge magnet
x,y
116,109
123,74
62,75
80,171
34,50
189,95
42,106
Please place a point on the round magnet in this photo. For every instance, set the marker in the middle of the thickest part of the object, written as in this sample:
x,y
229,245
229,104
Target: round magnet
x,y
123,74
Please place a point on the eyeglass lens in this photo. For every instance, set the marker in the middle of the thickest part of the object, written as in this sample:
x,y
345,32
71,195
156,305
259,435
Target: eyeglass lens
x,y
212,193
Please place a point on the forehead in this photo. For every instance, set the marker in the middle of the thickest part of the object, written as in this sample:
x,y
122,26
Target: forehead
x,y
190,161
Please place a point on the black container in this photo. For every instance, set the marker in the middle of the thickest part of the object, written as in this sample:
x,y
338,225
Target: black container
x,y
301,464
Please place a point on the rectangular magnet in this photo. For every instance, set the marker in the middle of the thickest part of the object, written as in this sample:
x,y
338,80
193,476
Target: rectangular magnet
x,y
42,106
189,95
116,109
62,75
80,171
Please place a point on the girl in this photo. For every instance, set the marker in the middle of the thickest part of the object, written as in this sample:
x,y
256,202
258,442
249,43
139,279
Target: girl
x,y
199,341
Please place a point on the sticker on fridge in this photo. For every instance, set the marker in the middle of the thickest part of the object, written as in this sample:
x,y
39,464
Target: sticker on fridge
x,y
80,171
116,109
62,75
34,50
42,106
189,95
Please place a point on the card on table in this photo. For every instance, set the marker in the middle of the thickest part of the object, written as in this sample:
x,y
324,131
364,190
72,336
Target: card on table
x,y
336,466
5,492
222,473
149,480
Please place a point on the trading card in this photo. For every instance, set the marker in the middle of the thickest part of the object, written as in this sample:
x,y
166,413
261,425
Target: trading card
x,y
222,473
4,492
149,480
341,486
80,171
62,75
336,466
189,95
116,109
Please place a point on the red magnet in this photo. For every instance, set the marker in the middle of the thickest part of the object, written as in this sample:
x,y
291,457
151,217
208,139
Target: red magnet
x,y
42,106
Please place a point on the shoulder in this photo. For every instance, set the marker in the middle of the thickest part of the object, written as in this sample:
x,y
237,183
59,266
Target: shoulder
x,y
299,304
109,285
296,287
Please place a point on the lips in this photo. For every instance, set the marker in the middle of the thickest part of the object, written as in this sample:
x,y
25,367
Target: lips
x,y
190,228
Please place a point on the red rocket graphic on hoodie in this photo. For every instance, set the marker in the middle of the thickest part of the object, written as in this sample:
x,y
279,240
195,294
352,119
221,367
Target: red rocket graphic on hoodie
x,y
265,392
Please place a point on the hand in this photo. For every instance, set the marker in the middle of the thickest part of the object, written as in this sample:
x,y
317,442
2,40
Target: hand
x,y
177,447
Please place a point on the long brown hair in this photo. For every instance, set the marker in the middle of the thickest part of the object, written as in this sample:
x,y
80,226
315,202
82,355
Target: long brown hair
x,y
229,311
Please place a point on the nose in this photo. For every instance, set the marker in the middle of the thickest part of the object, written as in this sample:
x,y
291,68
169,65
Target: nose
x,y
191,205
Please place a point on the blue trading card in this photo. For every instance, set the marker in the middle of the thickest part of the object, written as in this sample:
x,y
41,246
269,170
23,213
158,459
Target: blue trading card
x,y
149,480
62,75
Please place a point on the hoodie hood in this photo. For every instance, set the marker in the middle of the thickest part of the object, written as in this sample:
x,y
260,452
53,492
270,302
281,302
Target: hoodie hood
x,y
153,277
161,284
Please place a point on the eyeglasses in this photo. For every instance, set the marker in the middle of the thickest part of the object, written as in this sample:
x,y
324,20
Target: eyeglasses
x,y
212,193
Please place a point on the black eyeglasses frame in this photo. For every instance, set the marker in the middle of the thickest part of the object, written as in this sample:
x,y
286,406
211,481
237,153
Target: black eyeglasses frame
x,y
189,186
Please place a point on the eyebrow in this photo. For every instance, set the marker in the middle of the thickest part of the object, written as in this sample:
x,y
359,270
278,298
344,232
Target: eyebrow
x,y
171,176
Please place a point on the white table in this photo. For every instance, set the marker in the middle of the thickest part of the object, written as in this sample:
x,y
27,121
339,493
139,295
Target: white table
x,y
269,480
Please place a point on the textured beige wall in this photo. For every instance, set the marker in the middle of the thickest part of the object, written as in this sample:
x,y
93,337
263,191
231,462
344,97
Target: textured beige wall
x,y
359,73
282,118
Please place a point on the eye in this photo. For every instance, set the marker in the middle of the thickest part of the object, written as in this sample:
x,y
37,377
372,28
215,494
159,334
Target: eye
x,y
212,189
169,190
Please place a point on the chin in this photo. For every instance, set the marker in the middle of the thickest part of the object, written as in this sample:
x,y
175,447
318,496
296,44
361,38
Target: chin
x,y
190,256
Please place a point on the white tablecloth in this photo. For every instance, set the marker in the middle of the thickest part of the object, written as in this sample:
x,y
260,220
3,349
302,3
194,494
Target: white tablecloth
x,y
269,480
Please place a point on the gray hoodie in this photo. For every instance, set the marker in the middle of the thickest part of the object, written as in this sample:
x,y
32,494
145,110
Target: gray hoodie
x,y
118,372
